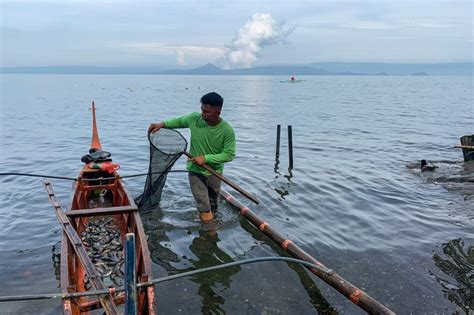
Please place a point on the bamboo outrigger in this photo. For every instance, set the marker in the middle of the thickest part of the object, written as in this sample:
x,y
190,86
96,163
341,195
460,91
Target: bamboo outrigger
x,y
120,208
356,295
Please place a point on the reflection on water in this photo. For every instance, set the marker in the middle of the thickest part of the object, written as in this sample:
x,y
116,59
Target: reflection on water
x,y
56,257
185,249
457,264
203,252
207,253
283,189
315,297
351,195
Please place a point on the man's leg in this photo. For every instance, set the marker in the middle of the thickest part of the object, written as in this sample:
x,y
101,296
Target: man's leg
x,y
199,188
214,187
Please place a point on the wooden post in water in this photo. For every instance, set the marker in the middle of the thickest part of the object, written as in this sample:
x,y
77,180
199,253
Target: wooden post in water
x,y
356,295
467,145
130,275
290,147
277,153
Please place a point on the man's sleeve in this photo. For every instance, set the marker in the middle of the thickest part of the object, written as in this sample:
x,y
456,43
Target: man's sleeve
x,y
179,122
228,151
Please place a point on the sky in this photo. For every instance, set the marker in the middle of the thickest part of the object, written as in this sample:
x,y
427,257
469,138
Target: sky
x,y
233,34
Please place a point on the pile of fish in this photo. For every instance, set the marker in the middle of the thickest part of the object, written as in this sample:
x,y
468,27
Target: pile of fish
x,y
102,241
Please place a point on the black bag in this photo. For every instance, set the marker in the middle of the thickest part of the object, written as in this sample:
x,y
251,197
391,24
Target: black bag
x,y
96,156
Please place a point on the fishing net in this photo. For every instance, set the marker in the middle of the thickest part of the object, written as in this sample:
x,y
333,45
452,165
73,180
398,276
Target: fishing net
x,y
166,146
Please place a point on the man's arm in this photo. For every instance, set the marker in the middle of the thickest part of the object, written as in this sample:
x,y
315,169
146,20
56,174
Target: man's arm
x,y
179,122
228,151
155,127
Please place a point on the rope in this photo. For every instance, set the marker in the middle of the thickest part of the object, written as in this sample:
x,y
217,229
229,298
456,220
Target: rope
x,y
171,171
75,179
36,175
163,279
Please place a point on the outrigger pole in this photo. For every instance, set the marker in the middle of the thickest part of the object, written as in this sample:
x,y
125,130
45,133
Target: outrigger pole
x,y
356,295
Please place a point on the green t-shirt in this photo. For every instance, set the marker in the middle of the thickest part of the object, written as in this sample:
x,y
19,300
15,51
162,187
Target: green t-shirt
x,y
216,143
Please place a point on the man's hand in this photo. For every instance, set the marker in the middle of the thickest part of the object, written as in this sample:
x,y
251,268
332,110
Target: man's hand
x,y
155,127
199,160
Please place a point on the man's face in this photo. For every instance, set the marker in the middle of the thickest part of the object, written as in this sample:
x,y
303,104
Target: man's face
x,y
210,113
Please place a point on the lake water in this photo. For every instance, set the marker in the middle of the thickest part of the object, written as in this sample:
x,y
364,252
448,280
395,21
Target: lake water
x,y
355,200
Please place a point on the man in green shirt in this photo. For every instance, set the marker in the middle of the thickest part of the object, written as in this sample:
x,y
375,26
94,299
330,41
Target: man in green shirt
x,y
213,143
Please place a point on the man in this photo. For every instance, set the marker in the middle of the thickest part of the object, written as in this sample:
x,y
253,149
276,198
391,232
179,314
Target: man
x,y
213,143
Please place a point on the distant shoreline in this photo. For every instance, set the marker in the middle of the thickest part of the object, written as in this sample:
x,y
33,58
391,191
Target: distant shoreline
x,y
312,69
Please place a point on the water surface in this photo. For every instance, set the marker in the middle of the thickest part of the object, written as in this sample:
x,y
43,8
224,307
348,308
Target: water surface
x,y
355,199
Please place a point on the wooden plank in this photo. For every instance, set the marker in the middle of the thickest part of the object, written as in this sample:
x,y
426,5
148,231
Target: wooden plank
x,y
105,300
469,147
101,186
95,304
129,196
143,254
100,211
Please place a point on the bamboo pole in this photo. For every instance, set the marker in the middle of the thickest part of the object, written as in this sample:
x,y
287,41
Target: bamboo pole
x,y
356,295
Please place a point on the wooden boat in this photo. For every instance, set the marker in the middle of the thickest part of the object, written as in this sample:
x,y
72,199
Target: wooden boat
x,y
292,81
118,208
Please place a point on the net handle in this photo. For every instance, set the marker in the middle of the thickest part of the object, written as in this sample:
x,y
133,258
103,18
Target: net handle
x,y
225,180
208,168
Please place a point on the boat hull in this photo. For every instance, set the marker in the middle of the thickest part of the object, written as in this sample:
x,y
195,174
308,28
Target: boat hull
x,y
120,208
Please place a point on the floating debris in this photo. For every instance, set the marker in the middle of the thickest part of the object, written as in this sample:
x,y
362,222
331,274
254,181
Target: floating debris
x,y
102,241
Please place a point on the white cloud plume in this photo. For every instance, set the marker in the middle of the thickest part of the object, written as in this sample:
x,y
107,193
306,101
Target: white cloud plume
x,y
180,58
262,30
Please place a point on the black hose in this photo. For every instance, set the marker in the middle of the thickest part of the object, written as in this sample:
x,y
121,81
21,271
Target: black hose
x,y
163,279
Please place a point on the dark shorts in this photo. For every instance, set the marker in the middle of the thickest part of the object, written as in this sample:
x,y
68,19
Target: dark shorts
x,y
205,191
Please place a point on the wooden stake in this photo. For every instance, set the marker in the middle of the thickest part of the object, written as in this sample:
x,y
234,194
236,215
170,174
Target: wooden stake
x,y
277,153
290,147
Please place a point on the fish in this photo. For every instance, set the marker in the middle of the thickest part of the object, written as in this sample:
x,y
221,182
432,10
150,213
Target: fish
x,y
103,245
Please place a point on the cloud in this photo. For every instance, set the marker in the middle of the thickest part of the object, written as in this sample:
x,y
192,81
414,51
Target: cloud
x,y
180,58
262,30
393,24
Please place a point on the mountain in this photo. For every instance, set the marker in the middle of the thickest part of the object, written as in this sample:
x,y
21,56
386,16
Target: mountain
x,y
318,68
454,68
82,70
209,69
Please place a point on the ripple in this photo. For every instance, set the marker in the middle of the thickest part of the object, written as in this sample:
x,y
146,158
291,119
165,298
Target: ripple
x,y
354,196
